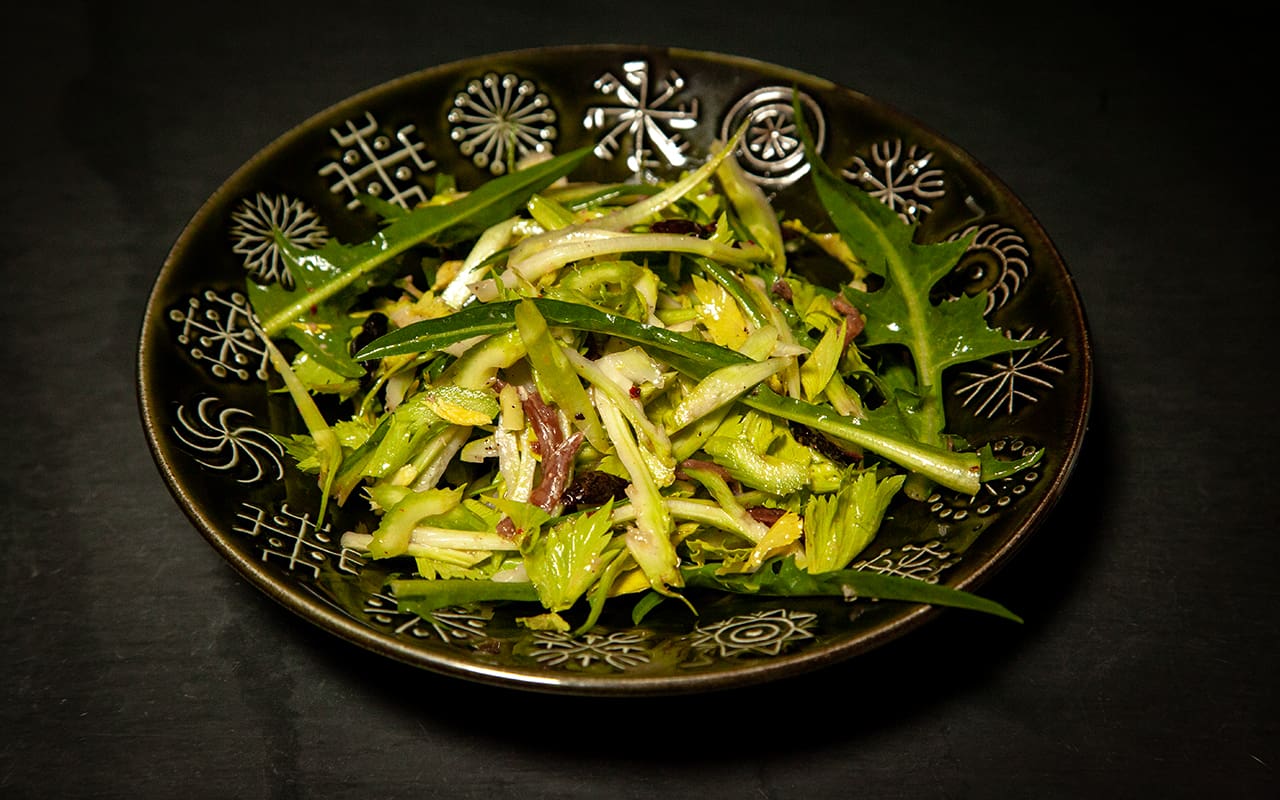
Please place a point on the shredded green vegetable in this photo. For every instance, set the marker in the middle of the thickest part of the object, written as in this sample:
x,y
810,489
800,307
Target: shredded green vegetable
x,y
562,396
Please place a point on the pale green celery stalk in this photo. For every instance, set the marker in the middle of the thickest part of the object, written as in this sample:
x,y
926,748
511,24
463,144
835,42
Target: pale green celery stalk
x,y
555,375
754,210
476,367
704,512
588,279
494,239
516,463
431,463
596,243
761,344
639,211
721,388
818,369
655,437
842,398
723,495
839,527
328,448
690,439
650,539
396,527
455,558
425,537
777,475
755,289
634,214
549,214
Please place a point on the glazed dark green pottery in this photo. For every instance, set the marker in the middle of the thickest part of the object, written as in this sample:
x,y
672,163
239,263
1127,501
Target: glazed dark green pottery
x,y
648,113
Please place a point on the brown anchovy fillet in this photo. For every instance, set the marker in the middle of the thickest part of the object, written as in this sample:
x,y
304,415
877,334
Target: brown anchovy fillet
x,y
556,449
683,226
765,514
816,441
853,318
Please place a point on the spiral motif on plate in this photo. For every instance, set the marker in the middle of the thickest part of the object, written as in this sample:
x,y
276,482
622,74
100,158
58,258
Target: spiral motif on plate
x,y
771,152
220,442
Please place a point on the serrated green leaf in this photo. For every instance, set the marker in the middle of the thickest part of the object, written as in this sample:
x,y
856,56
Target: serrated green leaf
x,y
564,560
900,312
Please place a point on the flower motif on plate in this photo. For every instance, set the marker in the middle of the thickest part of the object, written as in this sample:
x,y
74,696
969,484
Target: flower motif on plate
x,y
766,633
499,120
997,260
258,224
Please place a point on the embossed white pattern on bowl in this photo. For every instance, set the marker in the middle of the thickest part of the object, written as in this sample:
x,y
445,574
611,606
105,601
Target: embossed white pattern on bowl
x,y
648,113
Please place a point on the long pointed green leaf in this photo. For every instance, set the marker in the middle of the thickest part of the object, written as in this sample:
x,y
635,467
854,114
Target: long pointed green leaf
x,y
784,579
959,471
323,273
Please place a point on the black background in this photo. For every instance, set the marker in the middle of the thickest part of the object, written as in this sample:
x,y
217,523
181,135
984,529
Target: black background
x,y
135,663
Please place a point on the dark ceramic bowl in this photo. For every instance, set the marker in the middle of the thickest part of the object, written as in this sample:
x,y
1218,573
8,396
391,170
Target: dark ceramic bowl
x,y
202,374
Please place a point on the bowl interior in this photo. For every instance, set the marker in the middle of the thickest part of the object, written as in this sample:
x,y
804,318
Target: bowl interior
x,y
649,113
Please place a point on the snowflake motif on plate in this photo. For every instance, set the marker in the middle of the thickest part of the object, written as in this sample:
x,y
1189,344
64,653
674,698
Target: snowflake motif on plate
x,y
293,541
997,261
771,153
382,165
1002,384
498,120
221,443
922,562
644,111
452,625
621,649
899,176
219,330
765,633
259,223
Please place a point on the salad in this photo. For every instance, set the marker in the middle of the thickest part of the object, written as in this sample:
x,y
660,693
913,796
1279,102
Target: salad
x,y
562,394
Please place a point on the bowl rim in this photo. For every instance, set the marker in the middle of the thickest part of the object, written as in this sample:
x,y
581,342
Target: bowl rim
x,y
317,612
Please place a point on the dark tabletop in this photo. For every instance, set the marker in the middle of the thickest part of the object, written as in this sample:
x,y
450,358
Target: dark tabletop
x,y
135,663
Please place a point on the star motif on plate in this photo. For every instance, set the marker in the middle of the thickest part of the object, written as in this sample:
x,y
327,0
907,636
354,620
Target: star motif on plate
x,y
765,633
